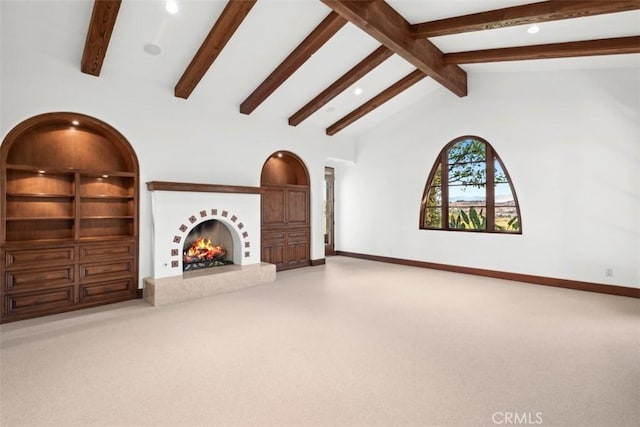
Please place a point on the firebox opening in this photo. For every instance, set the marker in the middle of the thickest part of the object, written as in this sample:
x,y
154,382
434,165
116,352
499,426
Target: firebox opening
x,y
209,244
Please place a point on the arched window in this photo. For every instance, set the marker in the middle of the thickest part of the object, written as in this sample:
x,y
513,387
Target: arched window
x,y
457,195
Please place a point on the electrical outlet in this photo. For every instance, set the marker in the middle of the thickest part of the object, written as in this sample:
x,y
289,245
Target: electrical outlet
x,y
608,272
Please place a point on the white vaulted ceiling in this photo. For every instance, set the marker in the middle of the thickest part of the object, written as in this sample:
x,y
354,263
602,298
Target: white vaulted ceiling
x,y
272,29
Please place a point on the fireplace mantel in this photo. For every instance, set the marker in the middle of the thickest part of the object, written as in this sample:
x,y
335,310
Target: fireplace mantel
x,y
201,188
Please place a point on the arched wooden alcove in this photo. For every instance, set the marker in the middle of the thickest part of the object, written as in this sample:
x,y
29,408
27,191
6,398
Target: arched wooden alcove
x,y
285,211
69,203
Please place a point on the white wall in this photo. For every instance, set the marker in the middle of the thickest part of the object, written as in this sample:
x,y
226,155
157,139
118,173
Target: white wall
x,y
571,143
196,140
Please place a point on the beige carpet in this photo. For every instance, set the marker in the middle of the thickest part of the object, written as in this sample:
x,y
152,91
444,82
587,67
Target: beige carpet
x,y
352,343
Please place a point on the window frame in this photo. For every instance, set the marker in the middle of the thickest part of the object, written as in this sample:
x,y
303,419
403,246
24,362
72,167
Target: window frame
x,y
442,163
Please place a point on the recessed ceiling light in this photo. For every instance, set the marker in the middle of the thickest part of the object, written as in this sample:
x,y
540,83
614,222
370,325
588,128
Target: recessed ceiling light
x,y
357,91
75,122
533,29
171,6
152,49
280,155
41,171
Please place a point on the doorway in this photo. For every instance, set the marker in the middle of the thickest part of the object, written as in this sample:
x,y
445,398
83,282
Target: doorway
x,y
329,220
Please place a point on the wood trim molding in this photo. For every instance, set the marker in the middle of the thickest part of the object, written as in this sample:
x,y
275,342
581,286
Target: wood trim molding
x,y
613,46
527,278
520,15
398,87
103,19
321,261
378,19
374,59
202,188
310,45
229,21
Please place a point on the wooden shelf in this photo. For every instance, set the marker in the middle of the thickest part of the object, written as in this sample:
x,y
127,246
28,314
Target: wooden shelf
x,y
43,170
69,204
107,217
106,197
100,239
41,218
42,195
57,170
101,174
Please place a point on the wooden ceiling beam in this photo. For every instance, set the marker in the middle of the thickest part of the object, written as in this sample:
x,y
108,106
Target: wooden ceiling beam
x,y
521,15
310,45
374,59
382,22
226,25
384,96
613,46
103,19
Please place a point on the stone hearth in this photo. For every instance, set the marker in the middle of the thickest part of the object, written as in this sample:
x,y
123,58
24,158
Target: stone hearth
x,y
203,283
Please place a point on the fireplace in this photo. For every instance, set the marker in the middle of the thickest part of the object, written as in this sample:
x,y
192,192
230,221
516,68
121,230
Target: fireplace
x,y
207,245
224,224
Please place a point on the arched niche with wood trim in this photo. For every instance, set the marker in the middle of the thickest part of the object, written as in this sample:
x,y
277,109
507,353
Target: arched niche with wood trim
x,y
69,203
284,168
285,211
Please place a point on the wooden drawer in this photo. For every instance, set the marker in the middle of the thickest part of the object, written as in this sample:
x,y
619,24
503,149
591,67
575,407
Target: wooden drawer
x,y
114,289
33,258
38,278
297,236
92,252
273,236
106,270
41,301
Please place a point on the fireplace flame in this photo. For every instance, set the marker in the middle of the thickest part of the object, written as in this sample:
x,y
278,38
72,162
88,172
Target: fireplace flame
x,y
203,250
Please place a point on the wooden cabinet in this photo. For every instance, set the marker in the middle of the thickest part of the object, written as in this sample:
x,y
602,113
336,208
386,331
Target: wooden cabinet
x,y
273,248
44,280
285,226
298,248
70,216
285,212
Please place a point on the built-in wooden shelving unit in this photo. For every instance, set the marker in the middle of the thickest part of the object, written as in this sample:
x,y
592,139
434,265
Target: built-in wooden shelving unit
x,y
70,206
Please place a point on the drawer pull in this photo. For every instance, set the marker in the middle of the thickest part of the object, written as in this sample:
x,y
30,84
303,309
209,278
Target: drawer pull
x,y
41,300
40,277
108,289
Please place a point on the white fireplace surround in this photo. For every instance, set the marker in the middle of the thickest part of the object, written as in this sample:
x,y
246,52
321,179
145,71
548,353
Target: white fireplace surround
x,y
175,213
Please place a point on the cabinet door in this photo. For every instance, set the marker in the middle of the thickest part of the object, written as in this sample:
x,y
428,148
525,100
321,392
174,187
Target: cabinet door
x,y
297,206
272,248
273,207
297,248
273,253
